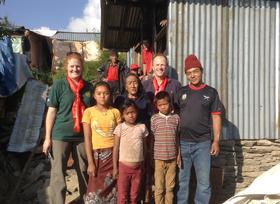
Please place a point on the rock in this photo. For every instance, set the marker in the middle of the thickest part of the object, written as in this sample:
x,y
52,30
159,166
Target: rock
x,y
249,168
252,155
248,143
251,174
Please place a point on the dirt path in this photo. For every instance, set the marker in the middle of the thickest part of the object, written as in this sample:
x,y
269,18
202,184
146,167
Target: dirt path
x,y
72,187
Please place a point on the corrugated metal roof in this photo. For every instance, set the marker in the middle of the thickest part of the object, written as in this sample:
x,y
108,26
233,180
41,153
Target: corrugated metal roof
x,y
77,36
120,26
238,44
124,22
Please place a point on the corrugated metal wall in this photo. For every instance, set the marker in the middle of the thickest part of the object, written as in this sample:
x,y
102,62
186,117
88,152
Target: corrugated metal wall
x,y
238,44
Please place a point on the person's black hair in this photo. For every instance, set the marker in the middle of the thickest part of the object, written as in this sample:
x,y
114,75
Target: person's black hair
x,y
128,103
163,95
101,83
140,90
98,84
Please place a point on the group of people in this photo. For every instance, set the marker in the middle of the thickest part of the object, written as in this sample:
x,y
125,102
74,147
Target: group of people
x,y
126,135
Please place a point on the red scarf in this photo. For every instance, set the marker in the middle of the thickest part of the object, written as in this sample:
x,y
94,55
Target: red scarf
x,y
78,106
160,87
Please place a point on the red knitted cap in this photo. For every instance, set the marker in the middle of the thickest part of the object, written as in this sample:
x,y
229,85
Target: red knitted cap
x,y
134,66
191,61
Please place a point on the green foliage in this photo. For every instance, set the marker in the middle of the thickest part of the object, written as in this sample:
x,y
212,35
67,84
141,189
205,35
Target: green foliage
x,y
90,68
58,74
103,57
122,57
45,77
89,72
4,27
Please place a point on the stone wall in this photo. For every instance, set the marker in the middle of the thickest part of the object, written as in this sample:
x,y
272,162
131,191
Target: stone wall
x,y
242,161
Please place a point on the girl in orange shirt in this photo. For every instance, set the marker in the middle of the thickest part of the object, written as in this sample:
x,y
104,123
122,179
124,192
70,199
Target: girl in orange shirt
x,y
99,123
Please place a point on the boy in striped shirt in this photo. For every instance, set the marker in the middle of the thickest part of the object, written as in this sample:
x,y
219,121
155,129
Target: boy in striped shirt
x,y
164,127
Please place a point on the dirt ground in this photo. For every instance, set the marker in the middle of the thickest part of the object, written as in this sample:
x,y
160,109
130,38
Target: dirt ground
x,y
72,187
33,188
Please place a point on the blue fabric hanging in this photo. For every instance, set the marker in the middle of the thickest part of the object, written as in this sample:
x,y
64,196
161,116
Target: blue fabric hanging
x,y
7,68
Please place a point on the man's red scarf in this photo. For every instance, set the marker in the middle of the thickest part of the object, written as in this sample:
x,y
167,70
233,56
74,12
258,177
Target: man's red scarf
x,y
78,106
160,87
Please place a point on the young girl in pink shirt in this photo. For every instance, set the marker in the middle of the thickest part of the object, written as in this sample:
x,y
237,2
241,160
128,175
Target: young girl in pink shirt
x,y
129,154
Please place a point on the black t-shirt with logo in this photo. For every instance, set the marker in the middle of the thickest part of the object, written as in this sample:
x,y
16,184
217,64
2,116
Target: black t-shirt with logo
x,y
196,106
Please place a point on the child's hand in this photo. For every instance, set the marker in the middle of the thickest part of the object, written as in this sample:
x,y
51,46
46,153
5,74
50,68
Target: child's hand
x,y
179,161
115,173
91,170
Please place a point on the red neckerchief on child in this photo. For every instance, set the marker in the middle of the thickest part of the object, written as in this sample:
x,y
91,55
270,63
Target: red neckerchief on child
x,y
78,106
160,87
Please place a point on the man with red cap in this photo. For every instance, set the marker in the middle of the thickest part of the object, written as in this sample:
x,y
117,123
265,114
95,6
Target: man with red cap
x,y
134,69
200,110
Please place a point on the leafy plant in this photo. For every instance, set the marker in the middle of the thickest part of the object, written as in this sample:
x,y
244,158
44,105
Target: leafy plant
x,y
89,71
4,27
45,77
90,68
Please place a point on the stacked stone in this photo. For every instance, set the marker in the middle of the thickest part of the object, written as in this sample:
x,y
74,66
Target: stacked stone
x,y
242,161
